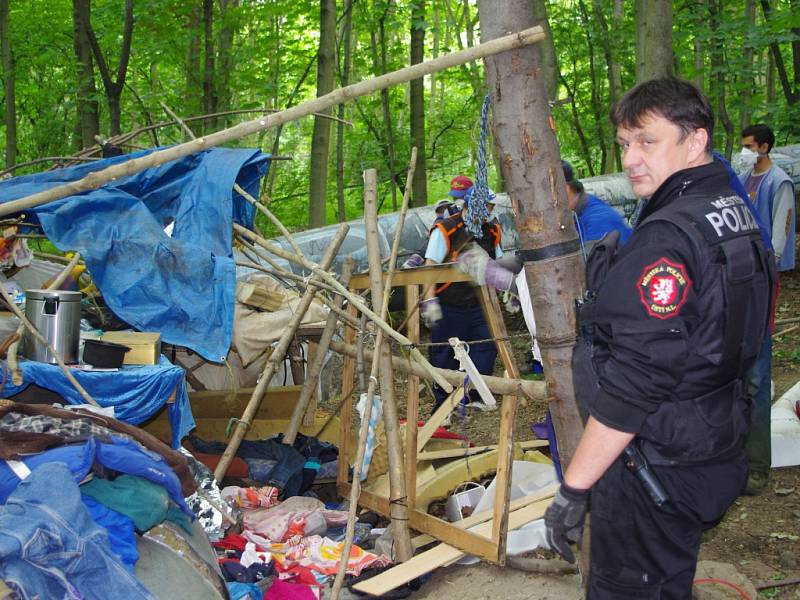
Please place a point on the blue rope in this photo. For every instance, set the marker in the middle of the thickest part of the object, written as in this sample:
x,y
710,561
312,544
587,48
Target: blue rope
x,y
477,212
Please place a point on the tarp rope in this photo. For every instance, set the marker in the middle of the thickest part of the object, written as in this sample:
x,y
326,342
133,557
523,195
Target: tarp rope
x,y
477,212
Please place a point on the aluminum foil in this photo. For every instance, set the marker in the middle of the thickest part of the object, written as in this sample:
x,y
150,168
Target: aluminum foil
x,y
207,503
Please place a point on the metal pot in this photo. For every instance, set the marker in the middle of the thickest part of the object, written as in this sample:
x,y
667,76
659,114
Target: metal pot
x,y
57,316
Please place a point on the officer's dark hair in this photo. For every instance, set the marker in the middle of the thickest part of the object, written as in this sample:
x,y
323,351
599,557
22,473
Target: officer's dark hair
x,y
576,186
677,100
761,133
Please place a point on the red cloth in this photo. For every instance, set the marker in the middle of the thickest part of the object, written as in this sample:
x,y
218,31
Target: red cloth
x,y
237,470
460,183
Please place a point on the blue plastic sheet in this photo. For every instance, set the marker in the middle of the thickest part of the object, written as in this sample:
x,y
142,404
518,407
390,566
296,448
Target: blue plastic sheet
x,y
136,392
181,286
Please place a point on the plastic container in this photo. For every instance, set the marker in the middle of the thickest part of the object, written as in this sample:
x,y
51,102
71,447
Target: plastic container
x,y
468,498
56,314
104,355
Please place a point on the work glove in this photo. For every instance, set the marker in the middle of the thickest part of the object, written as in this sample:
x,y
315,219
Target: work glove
x,y
415,260
484,271
431,311
564,520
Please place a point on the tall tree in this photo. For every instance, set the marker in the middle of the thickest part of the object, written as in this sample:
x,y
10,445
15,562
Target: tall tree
x,y
548,48
717,55
417,102
789,88
748,80
653,39
344,78
88,123
379,52
209,98
320,140
535,183
614,159
113,87
9,85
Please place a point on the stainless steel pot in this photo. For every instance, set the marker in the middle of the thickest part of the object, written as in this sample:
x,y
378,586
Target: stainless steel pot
x,y
57,316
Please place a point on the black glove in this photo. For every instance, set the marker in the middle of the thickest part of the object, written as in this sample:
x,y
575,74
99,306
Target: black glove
x,y
564,520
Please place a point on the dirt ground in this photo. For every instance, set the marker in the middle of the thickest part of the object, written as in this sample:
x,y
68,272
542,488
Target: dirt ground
x,y
759,536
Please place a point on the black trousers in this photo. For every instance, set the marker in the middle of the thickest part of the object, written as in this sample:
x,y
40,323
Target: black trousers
x,y
642,552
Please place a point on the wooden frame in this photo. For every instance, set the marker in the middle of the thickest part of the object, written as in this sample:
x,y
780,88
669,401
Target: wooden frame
x,y
490,543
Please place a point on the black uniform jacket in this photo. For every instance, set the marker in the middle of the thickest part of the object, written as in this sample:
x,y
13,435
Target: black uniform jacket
x,y
662,305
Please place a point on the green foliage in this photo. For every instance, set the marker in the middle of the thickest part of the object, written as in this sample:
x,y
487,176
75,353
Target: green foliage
x,y
274,45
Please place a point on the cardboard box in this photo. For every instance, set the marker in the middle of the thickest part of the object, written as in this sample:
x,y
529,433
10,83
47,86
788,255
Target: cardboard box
x,y
145,347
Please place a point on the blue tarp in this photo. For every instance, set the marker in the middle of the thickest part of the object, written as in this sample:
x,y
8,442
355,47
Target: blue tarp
x,y
182,286
136,392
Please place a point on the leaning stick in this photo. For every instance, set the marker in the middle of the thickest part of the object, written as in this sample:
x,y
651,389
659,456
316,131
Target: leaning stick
x,y
35,332
276,358
315,368
352,298
338,96
13,364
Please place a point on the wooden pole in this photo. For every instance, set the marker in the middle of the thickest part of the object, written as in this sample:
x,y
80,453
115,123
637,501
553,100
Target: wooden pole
x,y
352,298
315,369
321,104
380,357
35,332
276,358
391,420
534,390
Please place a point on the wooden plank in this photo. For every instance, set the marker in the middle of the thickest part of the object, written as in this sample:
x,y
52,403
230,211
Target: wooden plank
x,y
425,275
346,415
412,402
483,516
441,555
460,452
474,543
308,417
439,415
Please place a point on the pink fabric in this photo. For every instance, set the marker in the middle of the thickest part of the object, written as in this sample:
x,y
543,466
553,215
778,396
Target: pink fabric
x,y
281,590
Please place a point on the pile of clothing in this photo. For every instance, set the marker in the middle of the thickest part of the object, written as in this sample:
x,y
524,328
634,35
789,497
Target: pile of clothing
x,y
76,488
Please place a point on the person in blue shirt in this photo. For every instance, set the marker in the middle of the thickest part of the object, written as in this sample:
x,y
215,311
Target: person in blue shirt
x,y
594,218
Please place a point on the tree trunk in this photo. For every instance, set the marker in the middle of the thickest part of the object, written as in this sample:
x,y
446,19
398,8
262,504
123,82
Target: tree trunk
x,y
535,183
9,86
194,86
715,11
548,49
437,36
387,112
224,59
344,69
613,160
653,39
417,102
748,81
209,99
113,87
88,110
320,140
789,92
597,111
700,13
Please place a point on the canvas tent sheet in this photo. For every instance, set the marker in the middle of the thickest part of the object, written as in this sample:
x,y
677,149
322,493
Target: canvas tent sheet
x,y
180,285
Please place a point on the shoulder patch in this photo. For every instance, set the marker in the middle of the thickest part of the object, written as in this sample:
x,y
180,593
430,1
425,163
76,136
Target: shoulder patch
x,y
663,287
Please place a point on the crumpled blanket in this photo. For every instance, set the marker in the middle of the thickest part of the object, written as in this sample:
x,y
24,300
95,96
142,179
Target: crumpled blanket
x,y
296,516
321,556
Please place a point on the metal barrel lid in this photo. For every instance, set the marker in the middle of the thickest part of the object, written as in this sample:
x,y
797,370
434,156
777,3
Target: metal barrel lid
x,y
60,295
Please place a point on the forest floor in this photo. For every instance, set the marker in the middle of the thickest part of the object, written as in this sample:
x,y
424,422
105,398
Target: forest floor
x,y
759,537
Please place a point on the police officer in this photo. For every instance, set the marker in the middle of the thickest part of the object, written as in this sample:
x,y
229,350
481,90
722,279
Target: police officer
x,y
671,323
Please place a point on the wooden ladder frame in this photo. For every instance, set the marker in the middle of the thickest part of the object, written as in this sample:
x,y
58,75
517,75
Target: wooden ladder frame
x,y
489,547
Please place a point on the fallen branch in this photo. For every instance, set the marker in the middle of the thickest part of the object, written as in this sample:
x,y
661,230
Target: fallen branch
x,y
321,104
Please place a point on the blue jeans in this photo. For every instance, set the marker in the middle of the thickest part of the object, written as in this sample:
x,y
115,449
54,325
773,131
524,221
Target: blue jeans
x,y
466,324
51,548
758,443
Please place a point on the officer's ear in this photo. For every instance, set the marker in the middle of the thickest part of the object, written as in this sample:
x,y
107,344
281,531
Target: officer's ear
x,y
697,142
